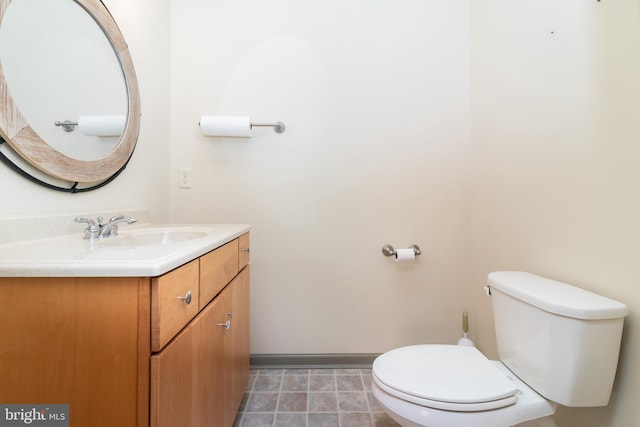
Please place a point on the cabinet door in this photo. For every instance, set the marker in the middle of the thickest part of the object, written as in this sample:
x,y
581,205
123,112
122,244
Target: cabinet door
x,y
210,363
81,341
172,385
237,345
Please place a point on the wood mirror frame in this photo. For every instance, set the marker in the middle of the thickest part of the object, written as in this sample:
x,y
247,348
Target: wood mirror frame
x,y
19,135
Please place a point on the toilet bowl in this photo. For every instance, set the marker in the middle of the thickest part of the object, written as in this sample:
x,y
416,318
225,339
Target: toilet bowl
x,y
544,330
454,386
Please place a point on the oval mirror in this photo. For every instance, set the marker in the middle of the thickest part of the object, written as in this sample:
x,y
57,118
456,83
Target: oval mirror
x,y
69,93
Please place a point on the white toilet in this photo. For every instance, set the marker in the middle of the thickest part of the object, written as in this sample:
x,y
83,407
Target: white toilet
x,y
558,344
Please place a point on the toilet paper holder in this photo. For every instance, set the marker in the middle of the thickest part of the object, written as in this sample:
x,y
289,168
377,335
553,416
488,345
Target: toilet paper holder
x,y
388,250
67,125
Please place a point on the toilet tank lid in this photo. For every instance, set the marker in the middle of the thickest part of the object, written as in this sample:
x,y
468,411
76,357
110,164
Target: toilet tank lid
x,y
556,297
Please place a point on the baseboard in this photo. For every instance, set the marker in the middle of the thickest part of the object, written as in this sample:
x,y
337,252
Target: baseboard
x,y
317,361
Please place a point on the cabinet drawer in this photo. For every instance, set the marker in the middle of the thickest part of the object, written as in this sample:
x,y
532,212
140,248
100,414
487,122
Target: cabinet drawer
x,y
174,302
217,268
244,248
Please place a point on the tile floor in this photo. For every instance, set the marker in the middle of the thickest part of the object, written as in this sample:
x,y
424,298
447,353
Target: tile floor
x,y
310,398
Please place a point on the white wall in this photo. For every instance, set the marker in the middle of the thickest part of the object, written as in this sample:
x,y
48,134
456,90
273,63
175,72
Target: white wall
x,y
556,162
375,96
146,28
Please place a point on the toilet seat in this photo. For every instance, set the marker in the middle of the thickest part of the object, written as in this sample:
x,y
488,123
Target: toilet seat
x,y
447,377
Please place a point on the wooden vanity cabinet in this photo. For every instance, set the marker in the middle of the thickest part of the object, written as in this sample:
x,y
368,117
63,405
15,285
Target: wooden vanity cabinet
x,y
131,351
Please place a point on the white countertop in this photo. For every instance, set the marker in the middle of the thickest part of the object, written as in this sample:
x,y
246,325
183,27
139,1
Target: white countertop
x,y
72,256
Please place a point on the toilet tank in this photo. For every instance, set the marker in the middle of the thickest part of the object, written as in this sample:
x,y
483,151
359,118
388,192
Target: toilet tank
x,y
561,340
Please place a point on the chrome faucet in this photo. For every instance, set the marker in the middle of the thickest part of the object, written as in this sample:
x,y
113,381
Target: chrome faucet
x,y
102,230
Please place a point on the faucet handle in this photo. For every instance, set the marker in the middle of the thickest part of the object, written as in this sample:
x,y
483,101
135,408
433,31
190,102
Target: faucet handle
x,y
90,223
92,229
110,229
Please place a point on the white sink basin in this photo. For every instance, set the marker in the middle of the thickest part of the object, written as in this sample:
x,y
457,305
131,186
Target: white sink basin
x,y
151,236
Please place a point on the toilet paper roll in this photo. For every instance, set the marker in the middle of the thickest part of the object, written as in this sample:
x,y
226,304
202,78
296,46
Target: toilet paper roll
x,y
405,255
236,126
102,125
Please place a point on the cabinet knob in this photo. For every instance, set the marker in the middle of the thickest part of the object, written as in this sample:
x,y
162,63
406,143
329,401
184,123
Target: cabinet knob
x,y
226,324
230,314
247,250
186,298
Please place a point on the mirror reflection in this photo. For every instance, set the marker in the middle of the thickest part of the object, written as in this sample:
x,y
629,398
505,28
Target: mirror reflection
x,y
60,67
